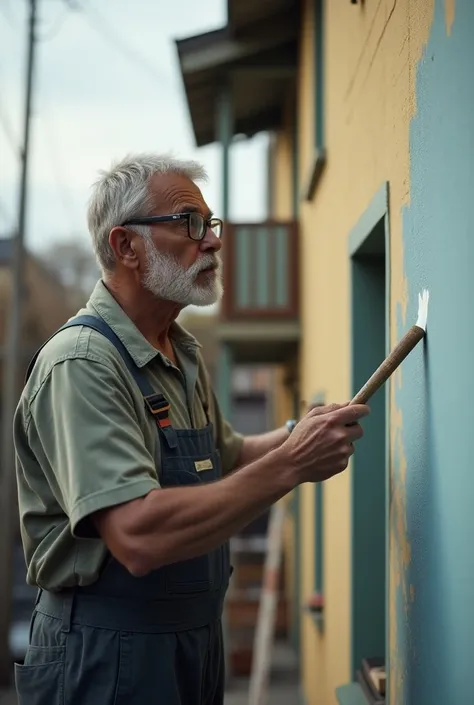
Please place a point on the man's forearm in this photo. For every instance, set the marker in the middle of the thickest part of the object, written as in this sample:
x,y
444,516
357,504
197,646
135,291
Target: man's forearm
x,y
255,447
178,523
175,524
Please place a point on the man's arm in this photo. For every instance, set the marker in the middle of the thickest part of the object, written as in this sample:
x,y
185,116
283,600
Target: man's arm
x,y
255,447
86,427
175,524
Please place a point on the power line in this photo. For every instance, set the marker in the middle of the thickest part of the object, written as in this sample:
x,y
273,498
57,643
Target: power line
x,y
45,114
53,153
100,24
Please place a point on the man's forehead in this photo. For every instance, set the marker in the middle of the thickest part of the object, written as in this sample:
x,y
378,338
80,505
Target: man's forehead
x,y
171,190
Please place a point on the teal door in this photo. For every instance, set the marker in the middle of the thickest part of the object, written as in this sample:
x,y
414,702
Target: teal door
x,y
369,294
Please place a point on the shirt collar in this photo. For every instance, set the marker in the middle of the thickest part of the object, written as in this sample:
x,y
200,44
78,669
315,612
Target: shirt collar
x,y
142,352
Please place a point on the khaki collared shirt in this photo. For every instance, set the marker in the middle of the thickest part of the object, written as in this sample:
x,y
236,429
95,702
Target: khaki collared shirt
x,y
84,440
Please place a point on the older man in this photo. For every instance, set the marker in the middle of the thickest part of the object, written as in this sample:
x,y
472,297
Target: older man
x,y
125,463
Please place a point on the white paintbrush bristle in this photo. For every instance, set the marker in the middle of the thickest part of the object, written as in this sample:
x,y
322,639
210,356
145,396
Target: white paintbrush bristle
x,y
423,300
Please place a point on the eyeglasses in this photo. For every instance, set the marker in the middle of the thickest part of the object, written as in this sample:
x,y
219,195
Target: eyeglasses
x,y
197,224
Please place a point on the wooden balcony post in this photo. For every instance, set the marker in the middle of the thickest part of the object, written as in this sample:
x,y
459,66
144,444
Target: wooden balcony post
x,y
224,131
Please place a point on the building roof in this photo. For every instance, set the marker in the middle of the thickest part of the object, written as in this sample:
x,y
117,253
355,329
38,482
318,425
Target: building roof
x,y
255,55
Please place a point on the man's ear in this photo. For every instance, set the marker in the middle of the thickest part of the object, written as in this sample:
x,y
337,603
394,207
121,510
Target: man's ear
x,y
123,243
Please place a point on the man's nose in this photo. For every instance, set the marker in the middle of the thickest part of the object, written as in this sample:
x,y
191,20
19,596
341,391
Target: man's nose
x,y
210,241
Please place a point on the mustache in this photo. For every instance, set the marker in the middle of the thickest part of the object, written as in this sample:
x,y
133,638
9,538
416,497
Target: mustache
x,y
206,262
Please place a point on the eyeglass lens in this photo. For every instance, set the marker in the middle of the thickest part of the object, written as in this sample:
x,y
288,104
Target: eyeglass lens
x,y
198,225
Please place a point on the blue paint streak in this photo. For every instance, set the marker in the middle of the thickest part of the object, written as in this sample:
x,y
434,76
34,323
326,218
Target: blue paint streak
x,y
436,632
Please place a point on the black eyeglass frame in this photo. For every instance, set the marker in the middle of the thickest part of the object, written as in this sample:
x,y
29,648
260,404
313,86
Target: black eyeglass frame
x,y
209,223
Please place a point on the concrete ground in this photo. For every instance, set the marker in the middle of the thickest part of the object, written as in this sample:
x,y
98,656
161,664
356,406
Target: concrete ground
x,y
281,695
278,695
284,685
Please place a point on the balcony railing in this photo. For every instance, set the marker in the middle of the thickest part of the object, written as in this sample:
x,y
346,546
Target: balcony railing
x,y
260,271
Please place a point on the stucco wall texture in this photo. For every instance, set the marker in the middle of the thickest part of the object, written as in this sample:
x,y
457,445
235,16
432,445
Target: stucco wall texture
x,y
432,564
398,108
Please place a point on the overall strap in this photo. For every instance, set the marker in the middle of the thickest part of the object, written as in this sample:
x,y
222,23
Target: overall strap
x,y
156,404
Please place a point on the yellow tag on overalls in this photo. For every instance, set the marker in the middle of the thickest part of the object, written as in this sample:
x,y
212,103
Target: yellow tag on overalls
x,y
201,465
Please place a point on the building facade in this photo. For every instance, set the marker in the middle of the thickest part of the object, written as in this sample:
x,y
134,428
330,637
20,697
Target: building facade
x,y
372,125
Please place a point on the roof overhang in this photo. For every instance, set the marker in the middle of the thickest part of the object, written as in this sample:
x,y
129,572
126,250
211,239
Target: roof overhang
x,y
254,57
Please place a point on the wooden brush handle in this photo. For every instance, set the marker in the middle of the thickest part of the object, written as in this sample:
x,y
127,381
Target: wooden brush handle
x,y
389,365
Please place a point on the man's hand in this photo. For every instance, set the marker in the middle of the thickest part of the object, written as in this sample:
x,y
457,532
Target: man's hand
x,y
322,442
313,405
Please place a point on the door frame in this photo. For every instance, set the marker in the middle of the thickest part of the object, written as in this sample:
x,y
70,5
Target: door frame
x,y
376,212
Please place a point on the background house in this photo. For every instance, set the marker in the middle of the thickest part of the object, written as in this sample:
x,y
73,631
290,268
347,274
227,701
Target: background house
x,y
370,108
47,305
47,302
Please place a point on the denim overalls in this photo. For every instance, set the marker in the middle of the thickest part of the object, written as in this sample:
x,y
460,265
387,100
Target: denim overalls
x,y
124,640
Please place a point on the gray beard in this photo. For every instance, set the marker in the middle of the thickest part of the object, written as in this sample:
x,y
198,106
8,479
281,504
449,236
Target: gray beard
x,y
167,279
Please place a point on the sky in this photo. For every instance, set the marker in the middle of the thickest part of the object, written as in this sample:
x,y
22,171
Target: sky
x,y
107,83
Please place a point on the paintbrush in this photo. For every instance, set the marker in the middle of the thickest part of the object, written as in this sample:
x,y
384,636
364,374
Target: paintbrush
x,y
398,354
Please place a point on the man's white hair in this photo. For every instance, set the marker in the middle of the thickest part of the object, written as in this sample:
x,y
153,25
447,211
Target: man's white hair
x,y
122,193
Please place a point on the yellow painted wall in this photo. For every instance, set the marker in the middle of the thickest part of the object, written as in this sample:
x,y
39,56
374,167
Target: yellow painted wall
x,y
282,200
371,53
283,411
283,171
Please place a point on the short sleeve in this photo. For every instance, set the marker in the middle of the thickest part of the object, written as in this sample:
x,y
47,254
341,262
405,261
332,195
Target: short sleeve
x,y
85,431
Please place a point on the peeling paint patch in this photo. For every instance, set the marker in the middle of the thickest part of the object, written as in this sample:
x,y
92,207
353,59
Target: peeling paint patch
x,y
401,590
432,641
449,14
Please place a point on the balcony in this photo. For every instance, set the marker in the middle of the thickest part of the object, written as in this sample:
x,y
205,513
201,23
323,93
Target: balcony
x,y
259,317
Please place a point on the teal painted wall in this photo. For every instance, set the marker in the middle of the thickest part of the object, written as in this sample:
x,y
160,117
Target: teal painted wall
x,y
435,619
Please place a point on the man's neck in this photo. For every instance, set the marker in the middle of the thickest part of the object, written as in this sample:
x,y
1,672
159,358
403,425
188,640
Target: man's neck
x,y
153,317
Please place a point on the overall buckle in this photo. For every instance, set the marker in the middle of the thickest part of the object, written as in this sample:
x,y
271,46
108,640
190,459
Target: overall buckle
x,y
159,407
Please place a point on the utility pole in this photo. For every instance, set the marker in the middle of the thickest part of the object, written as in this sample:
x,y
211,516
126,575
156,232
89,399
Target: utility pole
x,y
11,369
